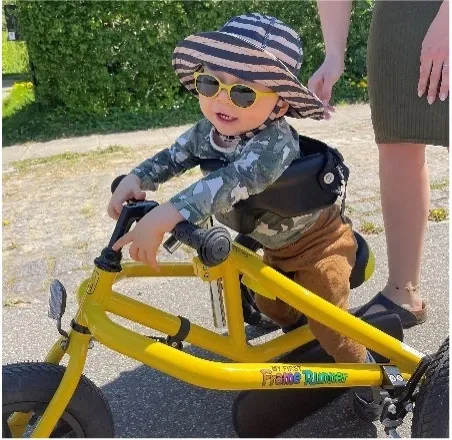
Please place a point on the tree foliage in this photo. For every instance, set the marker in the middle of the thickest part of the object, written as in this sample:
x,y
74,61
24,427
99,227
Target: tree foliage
x,y
95,56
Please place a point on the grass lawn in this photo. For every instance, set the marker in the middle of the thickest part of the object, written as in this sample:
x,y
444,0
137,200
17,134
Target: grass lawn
x,y
14,56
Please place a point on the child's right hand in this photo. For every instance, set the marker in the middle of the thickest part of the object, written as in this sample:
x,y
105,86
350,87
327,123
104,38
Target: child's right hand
x,y
129,188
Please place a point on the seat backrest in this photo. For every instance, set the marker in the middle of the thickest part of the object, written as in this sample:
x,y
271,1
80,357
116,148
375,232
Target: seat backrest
x,y
310,183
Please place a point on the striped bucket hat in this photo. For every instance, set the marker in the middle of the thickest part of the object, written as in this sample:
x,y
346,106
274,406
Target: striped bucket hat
x,y
256,48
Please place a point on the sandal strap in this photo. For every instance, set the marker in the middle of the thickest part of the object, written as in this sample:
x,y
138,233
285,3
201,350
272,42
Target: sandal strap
x,y
408,318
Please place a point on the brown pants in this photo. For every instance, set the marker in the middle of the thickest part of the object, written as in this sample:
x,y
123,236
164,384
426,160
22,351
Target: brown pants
x,y
321,261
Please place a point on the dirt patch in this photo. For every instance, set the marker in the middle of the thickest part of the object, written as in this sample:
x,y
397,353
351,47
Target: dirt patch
x,y
54,209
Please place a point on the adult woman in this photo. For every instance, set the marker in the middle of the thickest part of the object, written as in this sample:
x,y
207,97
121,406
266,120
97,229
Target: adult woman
x,y
409,106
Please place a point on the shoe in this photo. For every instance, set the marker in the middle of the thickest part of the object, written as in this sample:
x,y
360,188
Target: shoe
x,y
300,322
364,404
407,317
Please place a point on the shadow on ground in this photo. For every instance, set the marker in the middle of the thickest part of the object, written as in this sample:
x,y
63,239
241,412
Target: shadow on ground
x,y
147,403
35,123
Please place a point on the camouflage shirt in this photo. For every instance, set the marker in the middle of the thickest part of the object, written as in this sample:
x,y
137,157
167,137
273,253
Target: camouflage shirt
x,y
252,166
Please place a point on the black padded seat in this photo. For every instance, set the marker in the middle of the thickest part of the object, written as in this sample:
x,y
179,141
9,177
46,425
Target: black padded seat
x,y
304,187
364,258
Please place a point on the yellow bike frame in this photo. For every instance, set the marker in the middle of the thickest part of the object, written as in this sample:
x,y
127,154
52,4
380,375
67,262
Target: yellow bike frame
x,y
251,369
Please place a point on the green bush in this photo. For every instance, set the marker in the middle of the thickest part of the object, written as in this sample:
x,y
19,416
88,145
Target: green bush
x,y
14,56
97,56
20,96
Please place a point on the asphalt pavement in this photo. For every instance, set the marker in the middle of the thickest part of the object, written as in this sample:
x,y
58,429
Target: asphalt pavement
x,y
147,403
54,224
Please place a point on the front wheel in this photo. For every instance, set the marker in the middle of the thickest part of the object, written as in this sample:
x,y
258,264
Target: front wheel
x,y
28,389
431,411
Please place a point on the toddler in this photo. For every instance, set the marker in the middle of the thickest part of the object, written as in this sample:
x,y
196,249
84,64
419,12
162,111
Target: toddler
x,y
245,76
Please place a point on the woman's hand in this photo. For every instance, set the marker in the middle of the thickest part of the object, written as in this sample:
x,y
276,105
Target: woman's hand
x,y
147,235
322,81
435,57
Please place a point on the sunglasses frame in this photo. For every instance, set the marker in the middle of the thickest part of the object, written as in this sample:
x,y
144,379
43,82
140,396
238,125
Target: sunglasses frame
x,y
222,86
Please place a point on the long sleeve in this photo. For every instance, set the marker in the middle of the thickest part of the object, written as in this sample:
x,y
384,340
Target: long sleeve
x,y
261,162
169,162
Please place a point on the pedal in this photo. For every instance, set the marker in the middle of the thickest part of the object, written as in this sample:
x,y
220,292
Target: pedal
x,y
258,413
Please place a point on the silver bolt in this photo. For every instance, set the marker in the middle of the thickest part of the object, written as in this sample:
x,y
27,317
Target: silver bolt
x,y
328,178
392,378
392,408
399,377
63,344
409,407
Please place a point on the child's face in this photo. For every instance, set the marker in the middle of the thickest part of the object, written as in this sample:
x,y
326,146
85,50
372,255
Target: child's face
x,y
229,119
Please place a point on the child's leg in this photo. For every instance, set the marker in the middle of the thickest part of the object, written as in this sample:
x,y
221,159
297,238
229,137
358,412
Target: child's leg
x,y
322,261
329,278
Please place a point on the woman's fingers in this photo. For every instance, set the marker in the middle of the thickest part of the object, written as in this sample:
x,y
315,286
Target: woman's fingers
x,y
435,76
315,83
424,74
444,88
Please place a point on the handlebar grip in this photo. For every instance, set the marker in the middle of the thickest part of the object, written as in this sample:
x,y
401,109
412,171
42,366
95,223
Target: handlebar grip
x,y
171,244
116,182
213,245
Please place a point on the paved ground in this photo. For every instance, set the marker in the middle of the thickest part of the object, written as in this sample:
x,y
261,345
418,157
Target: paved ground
x,y
7,84
54,224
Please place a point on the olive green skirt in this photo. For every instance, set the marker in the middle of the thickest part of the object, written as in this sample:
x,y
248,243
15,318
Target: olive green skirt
x,y
393,59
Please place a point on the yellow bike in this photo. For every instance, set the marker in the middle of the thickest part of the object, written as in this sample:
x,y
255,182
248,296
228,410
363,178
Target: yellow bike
x,y
43,399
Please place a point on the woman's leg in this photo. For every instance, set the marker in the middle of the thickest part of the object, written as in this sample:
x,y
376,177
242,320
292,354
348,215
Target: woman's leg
x,y
405,200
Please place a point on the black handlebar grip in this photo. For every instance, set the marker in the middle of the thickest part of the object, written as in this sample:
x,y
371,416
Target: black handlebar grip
x,y
213,245
116,182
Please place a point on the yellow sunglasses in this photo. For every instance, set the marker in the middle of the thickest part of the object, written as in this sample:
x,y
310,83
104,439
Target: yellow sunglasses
x,y
240,95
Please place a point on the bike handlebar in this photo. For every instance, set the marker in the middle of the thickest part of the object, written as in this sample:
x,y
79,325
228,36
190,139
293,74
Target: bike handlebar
x,y
212,245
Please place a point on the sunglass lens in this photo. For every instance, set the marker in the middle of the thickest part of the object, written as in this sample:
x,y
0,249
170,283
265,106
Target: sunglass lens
x,y
243,96
207,85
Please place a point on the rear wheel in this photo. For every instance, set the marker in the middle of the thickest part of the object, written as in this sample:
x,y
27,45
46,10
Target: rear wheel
x,y
431,411
29,387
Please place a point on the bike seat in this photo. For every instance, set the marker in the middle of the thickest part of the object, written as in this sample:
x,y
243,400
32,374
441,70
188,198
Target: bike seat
x,y
364,264
318,175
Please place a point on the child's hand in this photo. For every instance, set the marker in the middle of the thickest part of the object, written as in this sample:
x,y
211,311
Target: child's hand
x,y
147,235
129,188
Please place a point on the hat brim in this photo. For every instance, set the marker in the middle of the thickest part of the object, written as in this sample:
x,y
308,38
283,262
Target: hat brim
x,y
239,57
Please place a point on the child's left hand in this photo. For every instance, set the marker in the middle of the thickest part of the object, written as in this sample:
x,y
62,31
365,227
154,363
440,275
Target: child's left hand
x,y
147,235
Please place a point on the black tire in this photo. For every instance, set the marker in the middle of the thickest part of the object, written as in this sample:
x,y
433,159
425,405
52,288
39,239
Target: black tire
x,y
29,386
251,314
431,410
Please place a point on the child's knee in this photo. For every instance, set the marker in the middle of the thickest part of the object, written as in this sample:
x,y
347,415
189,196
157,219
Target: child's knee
x,y
329,279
